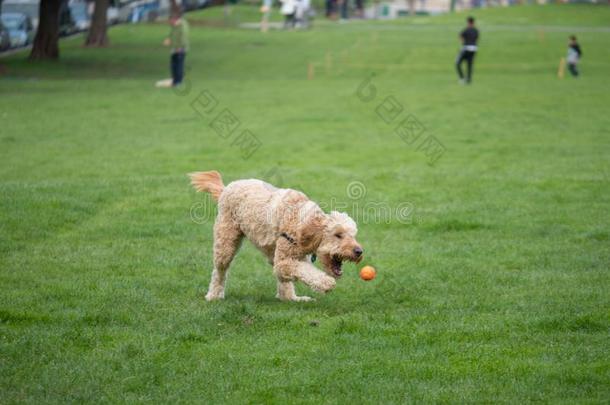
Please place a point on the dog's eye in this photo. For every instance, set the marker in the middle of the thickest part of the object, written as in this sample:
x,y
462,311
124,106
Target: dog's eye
x,y
338,235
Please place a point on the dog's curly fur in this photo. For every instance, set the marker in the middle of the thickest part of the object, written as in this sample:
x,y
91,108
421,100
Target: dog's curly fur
x,y
283,224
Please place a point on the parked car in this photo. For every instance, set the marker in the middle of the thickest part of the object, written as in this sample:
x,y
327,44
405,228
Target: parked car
x,y
5,38
27,7
20,28
143,10
80,15
67,26
189,5
31,9
112,15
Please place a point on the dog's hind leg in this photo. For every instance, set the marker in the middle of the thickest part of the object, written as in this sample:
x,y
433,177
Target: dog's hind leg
x,y
227,240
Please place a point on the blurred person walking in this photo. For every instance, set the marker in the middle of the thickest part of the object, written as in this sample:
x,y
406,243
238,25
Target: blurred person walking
x,y
469,37
331,9
359,8
574,55
266,11
344,9
288,10
303,8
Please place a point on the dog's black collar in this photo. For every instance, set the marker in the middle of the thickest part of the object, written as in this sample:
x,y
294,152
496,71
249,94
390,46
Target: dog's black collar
x,y
292,241
288,238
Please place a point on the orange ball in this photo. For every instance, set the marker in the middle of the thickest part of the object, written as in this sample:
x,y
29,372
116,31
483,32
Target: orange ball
x,y
368,273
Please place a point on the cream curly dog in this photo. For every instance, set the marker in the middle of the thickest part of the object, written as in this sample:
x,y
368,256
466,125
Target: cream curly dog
x,y
283,224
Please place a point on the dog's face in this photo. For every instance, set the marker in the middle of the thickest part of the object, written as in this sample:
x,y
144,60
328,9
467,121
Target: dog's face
x,y
338,243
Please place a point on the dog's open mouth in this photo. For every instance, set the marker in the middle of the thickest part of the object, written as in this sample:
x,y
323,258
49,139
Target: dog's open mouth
x,y
335,266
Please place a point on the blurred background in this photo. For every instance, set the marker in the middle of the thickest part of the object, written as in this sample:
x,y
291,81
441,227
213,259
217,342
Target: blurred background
x,y
21,18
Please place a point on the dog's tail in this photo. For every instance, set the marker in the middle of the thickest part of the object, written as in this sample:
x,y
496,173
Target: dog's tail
x,y
210,182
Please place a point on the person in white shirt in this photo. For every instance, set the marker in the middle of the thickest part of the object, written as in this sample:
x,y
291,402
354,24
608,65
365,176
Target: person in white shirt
x,y
288,10
302,13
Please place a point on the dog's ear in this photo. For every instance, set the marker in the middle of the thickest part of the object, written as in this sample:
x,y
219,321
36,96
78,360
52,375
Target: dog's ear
x,y
344,220
311,233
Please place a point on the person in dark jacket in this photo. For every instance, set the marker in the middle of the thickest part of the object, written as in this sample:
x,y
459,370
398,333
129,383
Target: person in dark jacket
x,y
469,37
574,55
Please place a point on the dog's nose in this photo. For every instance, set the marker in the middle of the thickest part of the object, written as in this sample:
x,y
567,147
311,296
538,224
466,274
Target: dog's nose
x,y
358,251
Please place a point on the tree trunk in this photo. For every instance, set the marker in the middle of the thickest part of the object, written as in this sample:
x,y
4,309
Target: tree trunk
x,y
46,42
98,31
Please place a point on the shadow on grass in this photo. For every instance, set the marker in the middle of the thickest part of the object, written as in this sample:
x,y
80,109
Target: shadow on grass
x,y
21,318
455,225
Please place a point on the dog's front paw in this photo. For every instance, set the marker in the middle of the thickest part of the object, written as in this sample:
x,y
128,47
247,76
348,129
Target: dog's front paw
x,y
326,284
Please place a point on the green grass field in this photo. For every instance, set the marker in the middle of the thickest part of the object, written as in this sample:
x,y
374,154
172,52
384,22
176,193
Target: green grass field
x,y
495,288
